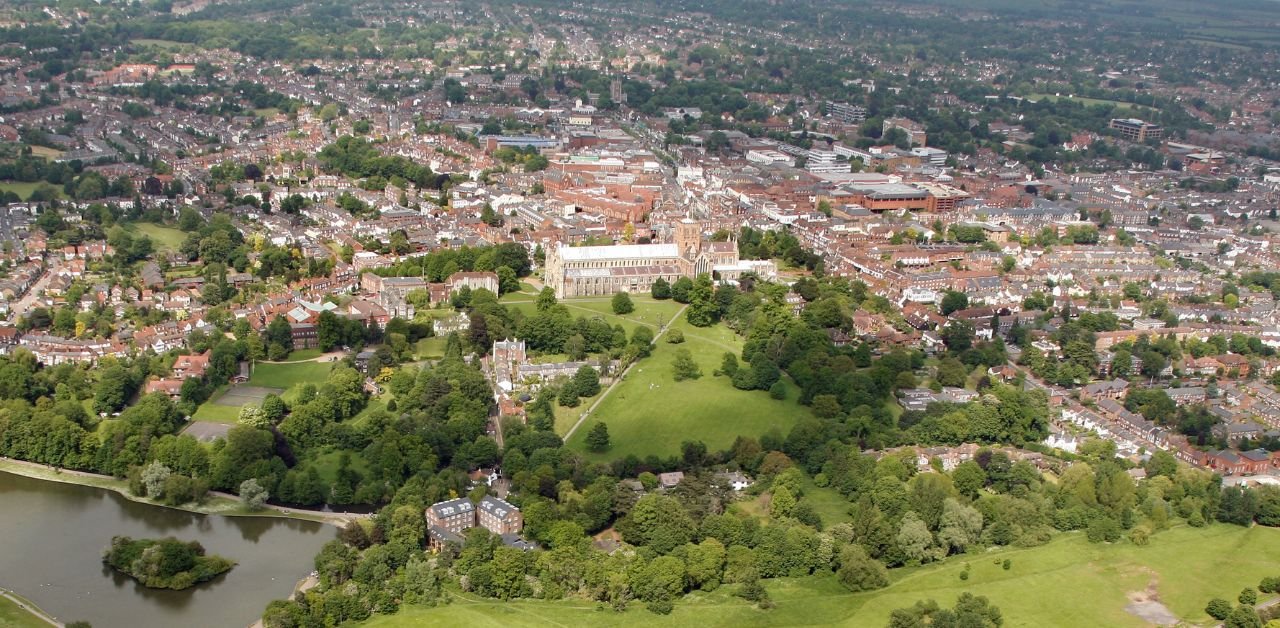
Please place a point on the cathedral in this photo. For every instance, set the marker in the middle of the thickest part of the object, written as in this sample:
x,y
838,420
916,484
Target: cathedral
x,y
578,271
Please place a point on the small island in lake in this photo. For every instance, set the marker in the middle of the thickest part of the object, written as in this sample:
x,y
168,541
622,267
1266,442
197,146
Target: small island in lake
x,y
164,563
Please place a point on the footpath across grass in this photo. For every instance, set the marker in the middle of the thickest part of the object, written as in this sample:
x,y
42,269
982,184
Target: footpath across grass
x,y
1069,582
15,614
651,413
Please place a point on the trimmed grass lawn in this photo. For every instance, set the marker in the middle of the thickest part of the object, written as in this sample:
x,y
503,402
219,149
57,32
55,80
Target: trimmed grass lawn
x,y
304,354
217,413
160,43
1090,101
23,188
46,152
289,376
431,348
649,311
11,615
827,502
326,464
165,238
651,413
1069,582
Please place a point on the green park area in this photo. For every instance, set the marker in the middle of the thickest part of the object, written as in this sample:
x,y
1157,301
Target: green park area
x,y
648,412
649,311
24,188
165,238
45,151
1071,581
224,406
1083,100
160,43
287,376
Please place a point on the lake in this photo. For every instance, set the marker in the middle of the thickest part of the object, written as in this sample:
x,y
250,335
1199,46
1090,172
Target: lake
x,y
51,541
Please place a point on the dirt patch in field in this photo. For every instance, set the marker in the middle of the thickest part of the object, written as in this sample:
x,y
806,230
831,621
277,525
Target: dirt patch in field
x,y
1146,606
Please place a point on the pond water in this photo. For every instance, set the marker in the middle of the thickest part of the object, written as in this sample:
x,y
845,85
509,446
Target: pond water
x,y
51,541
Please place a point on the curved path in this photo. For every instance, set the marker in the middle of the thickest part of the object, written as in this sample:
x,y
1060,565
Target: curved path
x,y
30,608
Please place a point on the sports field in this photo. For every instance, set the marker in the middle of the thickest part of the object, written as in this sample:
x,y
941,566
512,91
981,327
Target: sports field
x,y
1069,583
286,376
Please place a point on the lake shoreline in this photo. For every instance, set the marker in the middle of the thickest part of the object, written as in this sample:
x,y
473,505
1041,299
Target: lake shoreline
x,y
216,504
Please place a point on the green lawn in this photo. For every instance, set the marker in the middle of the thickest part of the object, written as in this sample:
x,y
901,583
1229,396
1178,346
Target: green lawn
x,y
649,311
165,238
827,502
1068,582
217,413
303,354
45,151
12,616
1088,101
23,188
650,413
431,348
160,43
288,376
326,464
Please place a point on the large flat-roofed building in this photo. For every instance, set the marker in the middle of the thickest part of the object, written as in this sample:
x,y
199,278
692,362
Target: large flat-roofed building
x,y
1136,130
604,270
847,113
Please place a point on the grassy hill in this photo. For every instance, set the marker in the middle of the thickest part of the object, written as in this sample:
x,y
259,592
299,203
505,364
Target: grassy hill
x,y
1069,582
651,413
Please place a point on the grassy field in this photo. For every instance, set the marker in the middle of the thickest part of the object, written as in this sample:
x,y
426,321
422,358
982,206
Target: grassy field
x,y
289,376
648,311
160,43
1089,101
217,413
303,354
326,464
1068,582
15,616
22,188
827,502
650,413
431,348
46,152
165,238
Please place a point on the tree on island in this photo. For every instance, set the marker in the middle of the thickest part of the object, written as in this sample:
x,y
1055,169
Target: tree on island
x,y
165,563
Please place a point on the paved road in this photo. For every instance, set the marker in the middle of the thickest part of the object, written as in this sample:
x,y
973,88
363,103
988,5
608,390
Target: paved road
x,y
20,307
617,380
